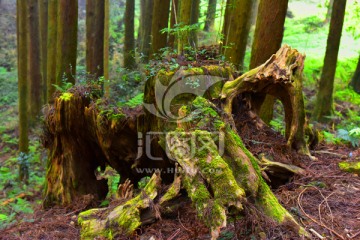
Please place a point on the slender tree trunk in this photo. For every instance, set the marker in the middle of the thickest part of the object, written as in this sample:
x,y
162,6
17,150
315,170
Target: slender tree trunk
x,y
268,36
355,81
329,11
194,19
324,98
184,15
236,30
160,21
67,25
145,34
106,46
210,16
129,43
173,21
43,8
95,37
51,48
21,14
35,84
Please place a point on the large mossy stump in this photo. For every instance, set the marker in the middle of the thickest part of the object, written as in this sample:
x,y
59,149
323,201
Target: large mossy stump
x,y
197,147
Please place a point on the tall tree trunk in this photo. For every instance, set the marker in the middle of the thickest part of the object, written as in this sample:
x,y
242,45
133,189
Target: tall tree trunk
x,y
173,21
51,49
194,19
268,36
21,15
236,30
43,9
145,34
184,15
160,21
106,46
67,25
324,98
210,16
35,84
355,81
129,43
95,37
329,11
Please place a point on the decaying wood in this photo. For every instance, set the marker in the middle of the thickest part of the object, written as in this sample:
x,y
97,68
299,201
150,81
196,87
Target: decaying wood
x,y
280,76
84,132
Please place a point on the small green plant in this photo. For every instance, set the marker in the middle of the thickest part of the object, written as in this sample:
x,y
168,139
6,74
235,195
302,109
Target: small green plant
x,y
352,136
135,101
278,125
65,85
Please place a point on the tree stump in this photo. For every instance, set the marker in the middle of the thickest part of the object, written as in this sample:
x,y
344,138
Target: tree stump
x,y
196,147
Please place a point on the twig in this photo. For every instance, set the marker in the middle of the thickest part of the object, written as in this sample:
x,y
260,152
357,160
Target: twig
x,y
174,234
330,153
354,236
327,204
316,233
314,220
182,224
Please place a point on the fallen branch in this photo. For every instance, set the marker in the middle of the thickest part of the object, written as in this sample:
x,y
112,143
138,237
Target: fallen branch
x,y
6,202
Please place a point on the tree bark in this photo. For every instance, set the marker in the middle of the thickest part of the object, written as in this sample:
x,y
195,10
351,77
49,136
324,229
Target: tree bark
x,y
236,30
329,11
184,20
129,42
324,98
95,17
194,19
173,21
355,81
35,79
67,25
160,19
106,56
21,18
51,49
210,16
43,9
268,36
145,32
218,178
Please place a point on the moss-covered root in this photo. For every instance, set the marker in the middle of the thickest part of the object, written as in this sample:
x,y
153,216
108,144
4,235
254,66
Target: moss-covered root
x,y
122,220
207,178
267,201
351,167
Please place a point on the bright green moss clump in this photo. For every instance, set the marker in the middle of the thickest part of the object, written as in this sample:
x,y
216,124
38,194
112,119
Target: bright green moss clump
x,y
352,167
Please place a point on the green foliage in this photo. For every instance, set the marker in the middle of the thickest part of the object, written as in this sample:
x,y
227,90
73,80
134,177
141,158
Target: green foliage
x,y
329,137
181,29
10,187
278,125
65,85
352,136
135,101
143,181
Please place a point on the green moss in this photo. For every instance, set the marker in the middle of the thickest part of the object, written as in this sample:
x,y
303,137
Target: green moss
x,y
351,167
66,96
